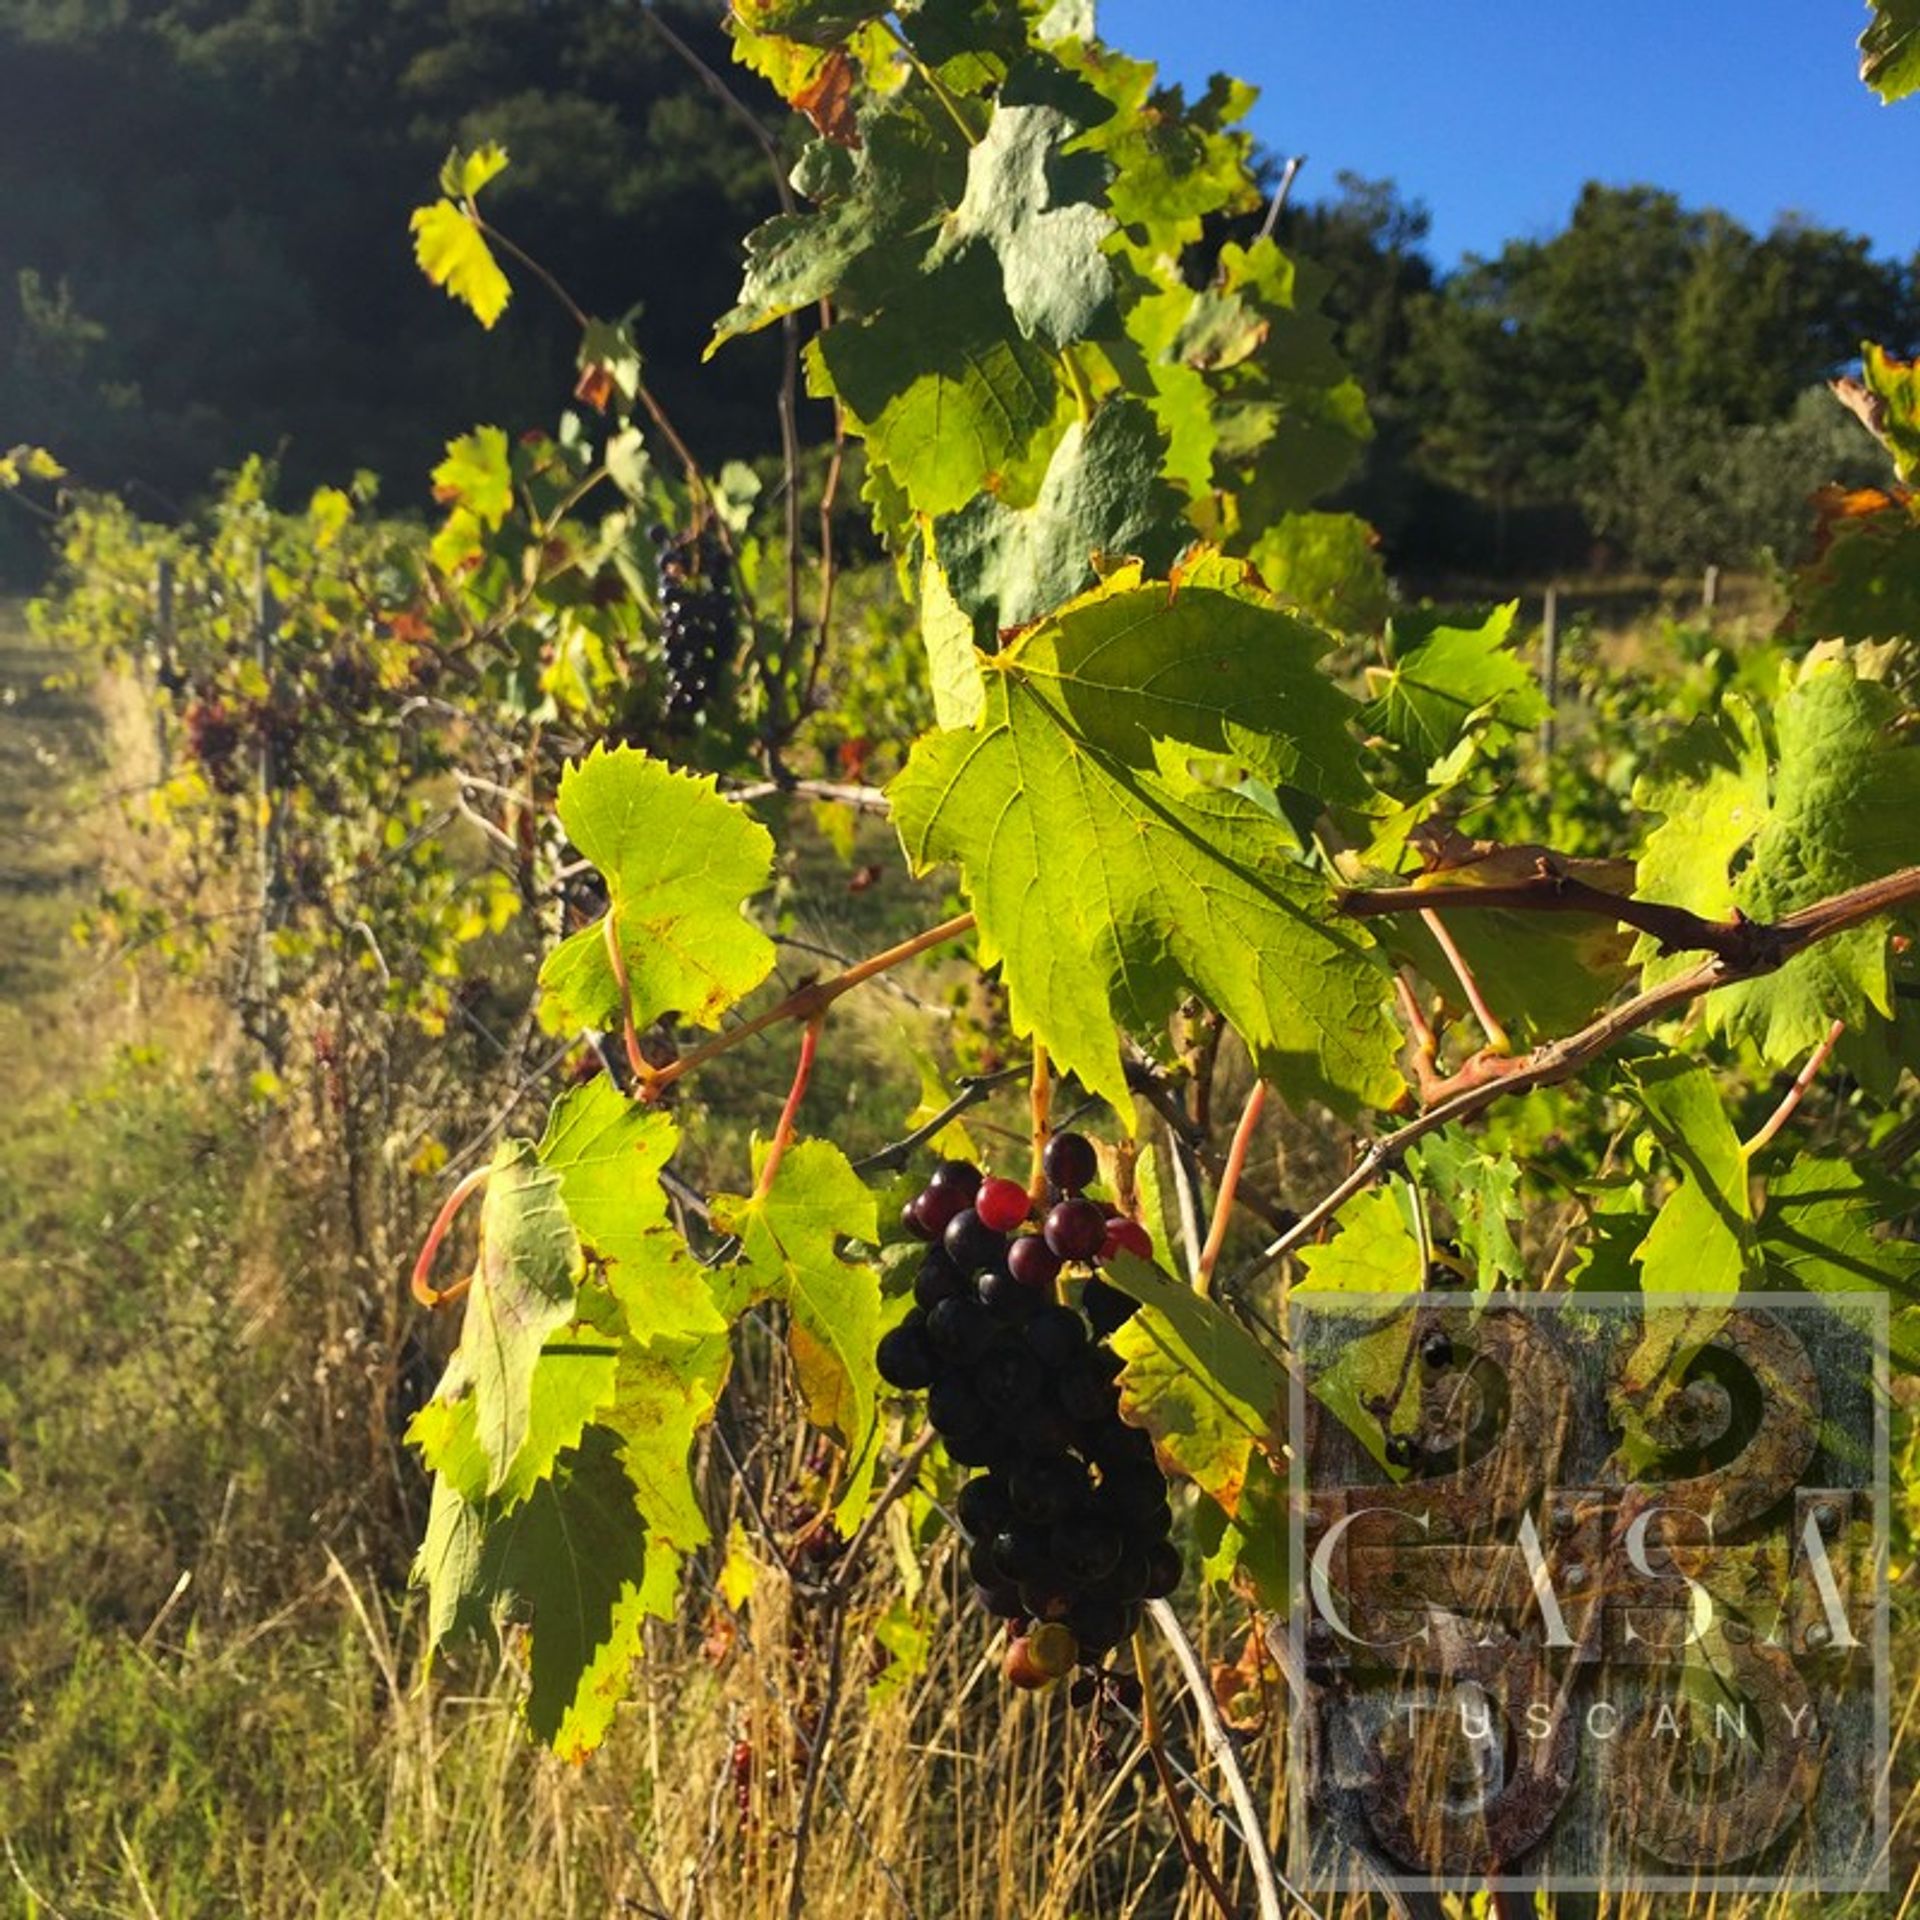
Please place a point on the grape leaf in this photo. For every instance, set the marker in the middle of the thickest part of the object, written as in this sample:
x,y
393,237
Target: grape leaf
x,y
1864,582
1482,1192
1326,566
1039,210
1206,661
574,1559
1896,385
795,260
476,475
1375,1251
1443,681
453,253
789,1246
953,667
944,386
673,1313
1890,49
572,1380
1107,891
523,1290
1701,1240
462,175
1207,1391
678,861
1102,495
1836,1226
1835,808
1250,1547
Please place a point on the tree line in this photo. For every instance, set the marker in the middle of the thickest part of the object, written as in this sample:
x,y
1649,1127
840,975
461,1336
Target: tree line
x,y
204,257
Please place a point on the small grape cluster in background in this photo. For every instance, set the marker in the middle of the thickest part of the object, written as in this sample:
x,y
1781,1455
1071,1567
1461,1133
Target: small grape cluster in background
x,y
1068,1519
697,622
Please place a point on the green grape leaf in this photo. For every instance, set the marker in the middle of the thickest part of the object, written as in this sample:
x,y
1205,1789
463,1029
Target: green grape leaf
x,y
1896,385
607,1152
1039,210
523,1290
1482,1192
572,1380
574,1560
477,475
462,175
1890,49
1836,1226
1107,891
1250,1547
1375,1251
796,260
1605,1262
1326,566
453,253
1210,1395
673,1313
1204,660
943,384
679,862
1864,583
1102,496
959,692
1443,681
1830,808
1702,1237
1173,165
790,1252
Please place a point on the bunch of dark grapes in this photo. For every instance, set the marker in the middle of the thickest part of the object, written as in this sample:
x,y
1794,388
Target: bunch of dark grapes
x,y
1068,1518
697,627
213,739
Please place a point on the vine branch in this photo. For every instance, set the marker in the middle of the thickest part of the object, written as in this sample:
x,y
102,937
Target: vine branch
x,y
1486,1078
1740,942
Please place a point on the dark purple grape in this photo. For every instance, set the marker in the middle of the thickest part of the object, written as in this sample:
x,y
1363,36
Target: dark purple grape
x,y
1085,1397
1002,1600
936,1209
987,1445
910,1221
1006,1299
1033,1263
1437,1351
1076,1229
983,1506
1107,1308
1007,1379
1098,1623
904,1357
1085,1687
1055,1336
971,1244
1163,1570
1071,1163
1130,1576
954,1408
1021,1553
1048,1489
939,1280
1040,1427
960,1331
983,1565
957,1176
1085,1549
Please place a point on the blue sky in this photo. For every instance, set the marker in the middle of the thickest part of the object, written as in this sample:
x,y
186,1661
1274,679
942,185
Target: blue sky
x,y
1494,112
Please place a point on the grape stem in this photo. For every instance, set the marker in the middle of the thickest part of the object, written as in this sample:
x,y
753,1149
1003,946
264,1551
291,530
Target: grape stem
x,y
1490,1025
423,1289
802,1004
1229,1185
1197,1862
1040,1097
1486,1078
1797,1092
617,959
783,1131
